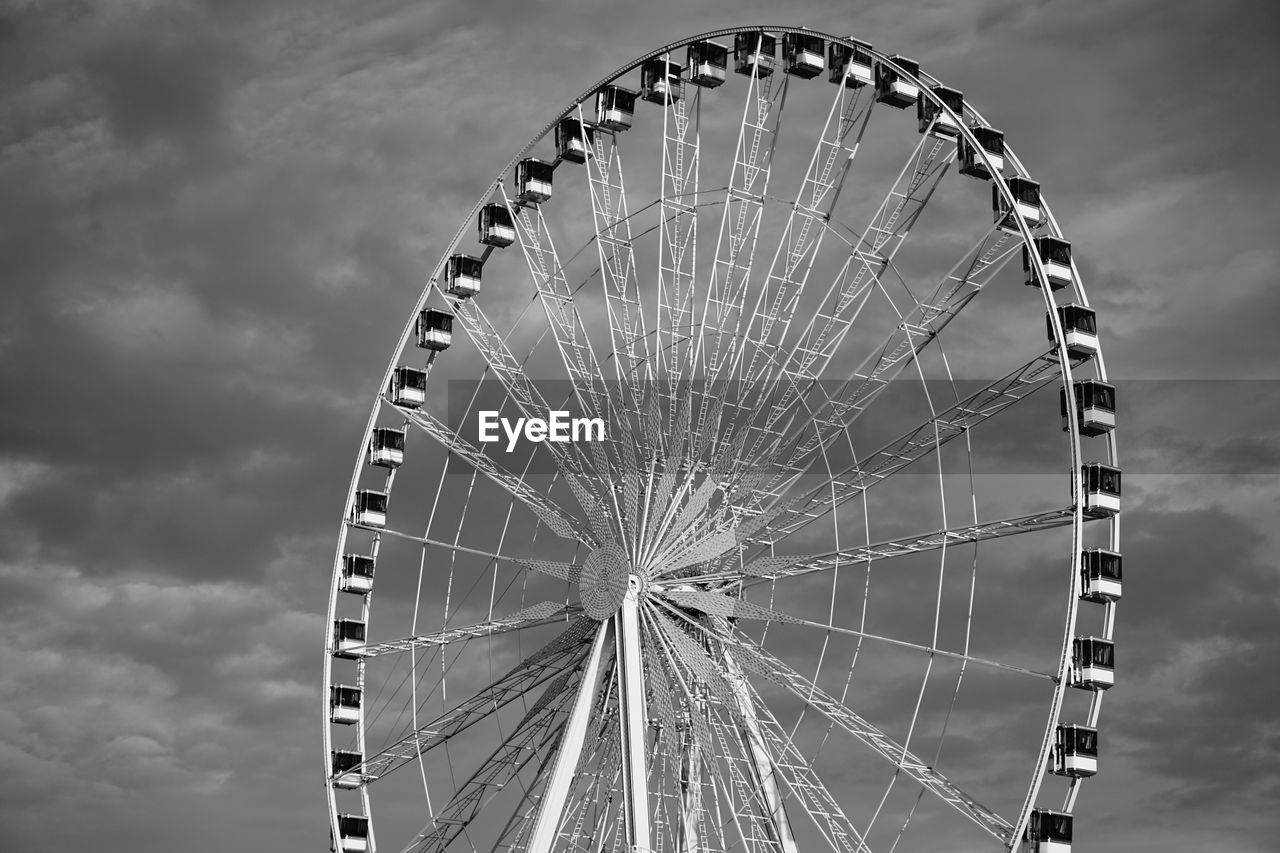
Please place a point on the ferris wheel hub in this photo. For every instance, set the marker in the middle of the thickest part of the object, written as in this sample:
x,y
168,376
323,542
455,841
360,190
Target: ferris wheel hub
x,y
603,582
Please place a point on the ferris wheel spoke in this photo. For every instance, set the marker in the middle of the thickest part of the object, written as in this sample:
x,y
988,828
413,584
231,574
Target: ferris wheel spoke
x,y
537,615
677,247
801,238
617,259
720,604
562,654
871,255
553,516
917,328
531,737
593,392
758,660
570,461
789,515
739,229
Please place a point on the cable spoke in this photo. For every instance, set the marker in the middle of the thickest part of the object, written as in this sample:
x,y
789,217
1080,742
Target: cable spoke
x,y
534,734
563,653
789,515
546,613
755,658
557,520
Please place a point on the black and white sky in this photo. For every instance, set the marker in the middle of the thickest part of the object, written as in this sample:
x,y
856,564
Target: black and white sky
x,y
216,215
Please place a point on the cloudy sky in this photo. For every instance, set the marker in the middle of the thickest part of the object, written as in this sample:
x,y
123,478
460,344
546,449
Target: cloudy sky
x,y
217,215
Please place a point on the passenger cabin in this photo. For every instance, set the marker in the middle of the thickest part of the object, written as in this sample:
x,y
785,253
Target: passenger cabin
x,y
1093,663
708,63
462,276
344,704
660,82
357,574
1095,406
348,634
897,88
1026,203
370,508
496,226
934,119
1075,751
849,65
572,140
753,53
386,447
615,108
353,833
1101,575
1079,328
346,768
408,387
802,53
1047,832
1101,489
533,180
1055,256
435,329
992,142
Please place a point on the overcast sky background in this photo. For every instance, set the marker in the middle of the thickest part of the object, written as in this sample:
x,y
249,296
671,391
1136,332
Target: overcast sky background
x,y
216,215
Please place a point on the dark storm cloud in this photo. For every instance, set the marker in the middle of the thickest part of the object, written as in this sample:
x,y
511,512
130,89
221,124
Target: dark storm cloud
x,y
216,214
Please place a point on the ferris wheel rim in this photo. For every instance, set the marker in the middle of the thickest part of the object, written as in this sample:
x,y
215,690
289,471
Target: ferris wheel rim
x,y
497,186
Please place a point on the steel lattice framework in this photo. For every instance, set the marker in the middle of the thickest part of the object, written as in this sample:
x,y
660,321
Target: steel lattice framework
x,y
649,642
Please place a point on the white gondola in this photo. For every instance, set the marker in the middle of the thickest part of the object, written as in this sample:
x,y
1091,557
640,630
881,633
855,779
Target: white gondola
x,y
533,180
708,63
1101,489
345,768
802,53
754,52
353,833
386,447
1101,575
344,704
615,107
357,574
1026,204
348,635
1075,751
496,226
1095,406
435,329
1048,831
370,508
572,140
1079,327
934,119
992,142
1055,257
849,65
660,82
462,276
897,88
408,387
1093,663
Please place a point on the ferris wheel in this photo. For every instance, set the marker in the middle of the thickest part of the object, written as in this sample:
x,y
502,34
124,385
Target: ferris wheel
x,y
703,510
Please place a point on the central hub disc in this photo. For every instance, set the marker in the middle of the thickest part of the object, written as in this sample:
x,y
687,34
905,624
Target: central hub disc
x,y
603,582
